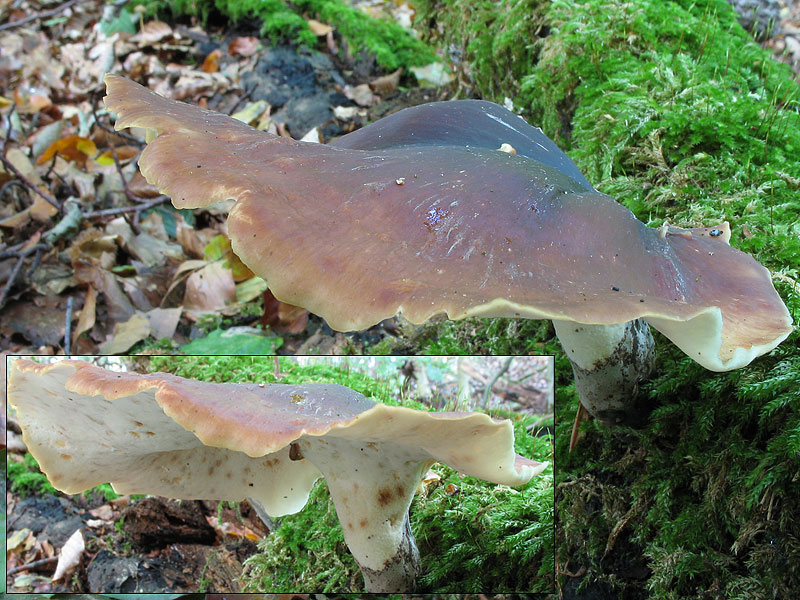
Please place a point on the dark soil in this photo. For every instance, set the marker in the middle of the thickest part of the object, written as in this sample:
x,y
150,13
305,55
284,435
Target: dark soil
x,y
153,545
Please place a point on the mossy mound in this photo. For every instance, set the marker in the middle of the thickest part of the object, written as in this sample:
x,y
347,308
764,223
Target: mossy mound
x,y
391,45
468,531
671,108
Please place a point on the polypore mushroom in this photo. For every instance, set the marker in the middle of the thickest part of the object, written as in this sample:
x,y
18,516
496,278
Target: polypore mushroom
x,y
429,211
166,435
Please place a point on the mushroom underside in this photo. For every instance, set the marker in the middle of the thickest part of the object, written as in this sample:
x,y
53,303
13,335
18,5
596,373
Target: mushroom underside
x,y
161,434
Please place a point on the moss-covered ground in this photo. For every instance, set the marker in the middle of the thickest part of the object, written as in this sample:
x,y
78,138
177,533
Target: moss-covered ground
x,y
468,530
671,108
385,40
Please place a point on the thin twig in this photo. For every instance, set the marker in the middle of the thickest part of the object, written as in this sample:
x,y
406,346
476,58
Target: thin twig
x,y
124,135
37,259
20,256
32,565
126,209
10,166
35,17
68,327
241,99
134,222
493,380
11,279
10,129
12,183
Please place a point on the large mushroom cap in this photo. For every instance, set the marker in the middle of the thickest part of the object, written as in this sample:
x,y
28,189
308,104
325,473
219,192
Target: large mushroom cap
x,y
421,213
162,434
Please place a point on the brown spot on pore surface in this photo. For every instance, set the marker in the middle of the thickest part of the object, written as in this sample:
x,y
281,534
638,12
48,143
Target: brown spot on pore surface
x,y
150,433
349,525
134,434
363,523
384,496
400,490
138,424
66,456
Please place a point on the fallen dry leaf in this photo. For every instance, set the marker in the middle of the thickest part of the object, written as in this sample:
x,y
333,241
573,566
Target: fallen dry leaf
x,y
105,512
211,63
361,94
42,320
23,164
387,84
244,46
319,29
163,321
87,317
124,154
152,32
70,555
210,288
126,335
72,147
29,101
252,112
283,317
432,75
138,186
219,247
312,136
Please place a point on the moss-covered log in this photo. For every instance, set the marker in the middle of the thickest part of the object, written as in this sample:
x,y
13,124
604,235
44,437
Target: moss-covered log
x,y
674,110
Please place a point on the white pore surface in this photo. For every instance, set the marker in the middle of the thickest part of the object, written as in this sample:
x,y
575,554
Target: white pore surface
x,y
132,444
701,339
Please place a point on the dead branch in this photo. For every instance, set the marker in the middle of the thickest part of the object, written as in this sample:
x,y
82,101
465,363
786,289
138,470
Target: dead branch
x,y
10,167
33,565
126,209
45,14
500,372
20,255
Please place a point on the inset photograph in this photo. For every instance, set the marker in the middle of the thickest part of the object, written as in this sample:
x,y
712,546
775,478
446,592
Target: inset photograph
x,y
268,474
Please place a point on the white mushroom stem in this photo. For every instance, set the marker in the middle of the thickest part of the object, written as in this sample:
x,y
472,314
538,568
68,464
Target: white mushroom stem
x,y
609,363
372,485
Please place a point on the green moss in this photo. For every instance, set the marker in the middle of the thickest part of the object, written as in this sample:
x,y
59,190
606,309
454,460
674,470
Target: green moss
x,y
469,537
307,551
107,491
26,478
498,337
466,539
496,40
706,494
673,110
391,45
